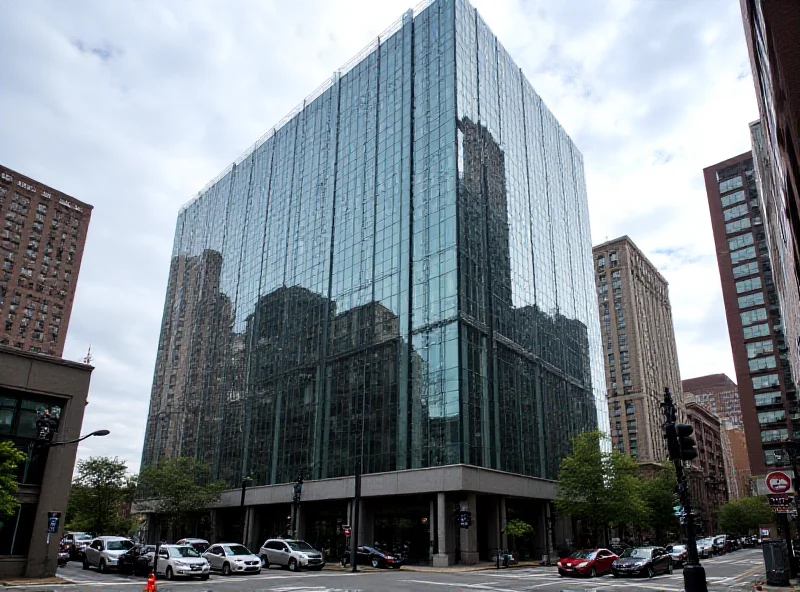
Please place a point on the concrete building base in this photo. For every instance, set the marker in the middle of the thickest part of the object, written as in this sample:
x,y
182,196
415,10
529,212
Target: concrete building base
x,y
436,495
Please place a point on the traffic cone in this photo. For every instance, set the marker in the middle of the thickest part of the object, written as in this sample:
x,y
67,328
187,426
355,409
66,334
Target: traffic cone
x,y
151,583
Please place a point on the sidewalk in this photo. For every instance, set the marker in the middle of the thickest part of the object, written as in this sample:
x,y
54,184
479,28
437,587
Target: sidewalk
x,y
11,582
481,566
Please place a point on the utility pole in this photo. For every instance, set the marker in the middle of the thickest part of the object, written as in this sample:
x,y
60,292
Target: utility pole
x,y
681,447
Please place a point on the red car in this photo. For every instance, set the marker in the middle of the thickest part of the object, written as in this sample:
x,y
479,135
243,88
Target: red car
x,y
588,562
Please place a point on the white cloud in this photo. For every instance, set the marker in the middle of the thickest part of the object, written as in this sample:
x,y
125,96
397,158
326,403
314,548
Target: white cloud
x,y
135,106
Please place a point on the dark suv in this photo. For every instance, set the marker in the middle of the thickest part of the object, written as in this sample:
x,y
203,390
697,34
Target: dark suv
x,y
76,543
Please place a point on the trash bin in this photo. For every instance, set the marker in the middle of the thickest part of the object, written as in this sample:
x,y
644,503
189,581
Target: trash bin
x,y
776,562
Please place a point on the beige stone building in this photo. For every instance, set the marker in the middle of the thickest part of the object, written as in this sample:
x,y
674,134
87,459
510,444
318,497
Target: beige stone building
x,y
638,346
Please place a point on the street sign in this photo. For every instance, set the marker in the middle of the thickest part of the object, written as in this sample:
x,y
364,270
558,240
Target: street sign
x,y
781,502
53,518
778,482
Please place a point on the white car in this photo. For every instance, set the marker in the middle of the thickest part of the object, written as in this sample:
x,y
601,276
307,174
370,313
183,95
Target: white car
x,y
181,560
230,558
103,552
295,555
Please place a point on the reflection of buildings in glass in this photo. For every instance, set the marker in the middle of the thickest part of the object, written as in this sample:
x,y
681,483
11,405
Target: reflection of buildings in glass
x,y
537,364
196,318
394,320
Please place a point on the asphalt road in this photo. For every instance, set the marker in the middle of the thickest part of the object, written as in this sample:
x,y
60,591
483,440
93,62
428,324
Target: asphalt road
x,y
734,571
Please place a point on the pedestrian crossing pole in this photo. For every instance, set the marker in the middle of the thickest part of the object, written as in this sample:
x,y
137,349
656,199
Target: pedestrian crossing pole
x,y
680,446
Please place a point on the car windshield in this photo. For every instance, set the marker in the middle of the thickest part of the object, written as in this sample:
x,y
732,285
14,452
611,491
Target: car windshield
x,y
118,545
236,550
636,553
582,555
83,537
678,548
183,552
300,546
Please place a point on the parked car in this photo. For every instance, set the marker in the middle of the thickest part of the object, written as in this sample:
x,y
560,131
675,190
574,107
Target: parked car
x,y
230,558
589,562
103,552
290,553
377,558
705,547
181,560
679,554
76,543
137,560
646,561
720,544
63,555
200,545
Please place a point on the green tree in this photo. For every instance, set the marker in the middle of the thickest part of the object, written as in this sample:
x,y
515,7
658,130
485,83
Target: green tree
x,y
744,515
658,493
517,528
10,459
100,491
599,487
179,489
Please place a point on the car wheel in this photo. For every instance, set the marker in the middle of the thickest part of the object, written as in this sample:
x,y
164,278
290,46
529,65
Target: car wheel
x,y
593,573
226,569
343,561
85,563
102,567
292,564
650,572
376,563
170,575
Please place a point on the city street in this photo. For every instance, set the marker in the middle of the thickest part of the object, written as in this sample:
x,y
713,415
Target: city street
x,y
734,571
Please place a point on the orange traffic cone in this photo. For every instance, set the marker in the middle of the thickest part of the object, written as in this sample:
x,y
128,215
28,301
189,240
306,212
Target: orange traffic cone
x,y
151,583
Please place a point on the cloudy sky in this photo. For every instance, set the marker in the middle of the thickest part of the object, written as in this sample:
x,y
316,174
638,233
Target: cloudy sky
x,y
133,106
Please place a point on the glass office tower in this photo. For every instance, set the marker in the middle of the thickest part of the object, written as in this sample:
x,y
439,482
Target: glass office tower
x,y
399,272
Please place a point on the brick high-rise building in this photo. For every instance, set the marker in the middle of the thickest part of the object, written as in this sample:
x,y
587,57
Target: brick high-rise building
x,y
719,393
707,477
771,28
741,460
639,347
752,306
41,246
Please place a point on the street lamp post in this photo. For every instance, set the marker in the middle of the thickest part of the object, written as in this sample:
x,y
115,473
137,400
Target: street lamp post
x,y
35,444
245,482
32,447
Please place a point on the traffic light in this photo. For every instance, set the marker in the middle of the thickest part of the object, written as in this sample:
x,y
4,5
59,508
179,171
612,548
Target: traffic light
x,y
464,518
298,490
680,443
45,427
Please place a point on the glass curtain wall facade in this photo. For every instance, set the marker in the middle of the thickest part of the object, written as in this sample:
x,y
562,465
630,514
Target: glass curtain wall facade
x,y
401,268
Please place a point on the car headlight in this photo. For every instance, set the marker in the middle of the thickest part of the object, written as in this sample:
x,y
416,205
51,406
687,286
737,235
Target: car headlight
x,y
239,561
559,564
181,564
583,564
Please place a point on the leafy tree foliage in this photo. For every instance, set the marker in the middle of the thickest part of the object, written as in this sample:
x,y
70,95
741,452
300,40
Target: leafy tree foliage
x,y
518,528
744,515
10,459
100,490
179,489
658,494
598,487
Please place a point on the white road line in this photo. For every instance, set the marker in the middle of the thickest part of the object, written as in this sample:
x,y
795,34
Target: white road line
x,y
475,586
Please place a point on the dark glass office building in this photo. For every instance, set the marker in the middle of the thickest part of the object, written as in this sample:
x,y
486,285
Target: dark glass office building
x,y
400,272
